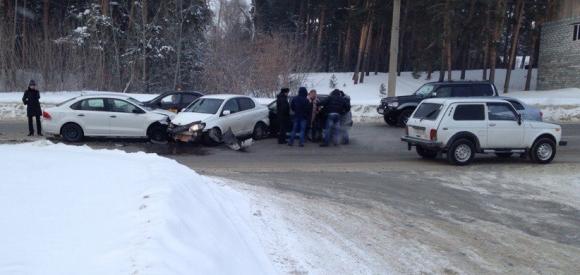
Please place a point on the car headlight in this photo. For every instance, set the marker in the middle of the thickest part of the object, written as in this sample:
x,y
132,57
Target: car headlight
x,y
393,104
196,127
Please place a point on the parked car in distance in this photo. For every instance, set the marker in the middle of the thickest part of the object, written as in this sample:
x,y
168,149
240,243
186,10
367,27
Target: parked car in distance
x,y
173,101
105,116
209,116
528,112
463,127
273,114
397,110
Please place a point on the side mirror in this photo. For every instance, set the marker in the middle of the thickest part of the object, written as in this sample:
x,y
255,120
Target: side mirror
x,y
226,113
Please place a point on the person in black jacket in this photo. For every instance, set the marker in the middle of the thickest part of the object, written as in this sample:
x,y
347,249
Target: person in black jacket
x,y
31,99
283,114
301,108
334,106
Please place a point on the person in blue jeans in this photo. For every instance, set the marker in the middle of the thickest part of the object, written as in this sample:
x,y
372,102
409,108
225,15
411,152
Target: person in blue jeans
x,y
334,106
301,108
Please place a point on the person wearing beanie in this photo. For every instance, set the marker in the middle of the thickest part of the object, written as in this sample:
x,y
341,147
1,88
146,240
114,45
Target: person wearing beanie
x,y
301,108
31,99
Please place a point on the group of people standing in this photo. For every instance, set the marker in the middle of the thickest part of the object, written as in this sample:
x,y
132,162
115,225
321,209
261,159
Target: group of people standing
x,y
327,120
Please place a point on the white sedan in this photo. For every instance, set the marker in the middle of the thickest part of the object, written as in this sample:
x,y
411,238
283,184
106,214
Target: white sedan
x,y
105,116
212,115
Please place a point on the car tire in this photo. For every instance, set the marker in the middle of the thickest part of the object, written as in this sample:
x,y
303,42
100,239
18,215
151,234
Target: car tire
x,y
543,151
504,155
72,132
215,132
426,153
157,133
404,117
260,131
461,152
390,120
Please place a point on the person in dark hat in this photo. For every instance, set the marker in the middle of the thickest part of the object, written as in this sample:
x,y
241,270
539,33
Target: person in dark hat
x,y
31,99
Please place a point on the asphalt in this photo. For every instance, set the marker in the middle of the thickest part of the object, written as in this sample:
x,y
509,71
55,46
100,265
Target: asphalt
x,y
376,171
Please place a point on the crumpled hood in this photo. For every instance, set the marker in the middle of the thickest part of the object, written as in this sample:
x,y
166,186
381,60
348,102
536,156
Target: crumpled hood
x,y
185,118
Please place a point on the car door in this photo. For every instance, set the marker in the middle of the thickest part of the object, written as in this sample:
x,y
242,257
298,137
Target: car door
x,y
233,119
248,116
126,119
504,128
92,115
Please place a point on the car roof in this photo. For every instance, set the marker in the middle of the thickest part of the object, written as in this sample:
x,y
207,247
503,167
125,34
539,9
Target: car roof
x,y
451,100
462,82
223,96
105,95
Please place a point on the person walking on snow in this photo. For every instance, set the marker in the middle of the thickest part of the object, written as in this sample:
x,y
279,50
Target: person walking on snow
x,y
283,112
301,108
31,99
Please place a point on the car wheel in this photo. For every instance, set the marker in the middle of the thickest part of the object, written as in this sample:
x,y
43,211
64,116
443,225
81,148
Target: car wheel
x,y
390,120
404,117
71,132
426,153
461,152
213,136
260,131
504,155
157,134
543,151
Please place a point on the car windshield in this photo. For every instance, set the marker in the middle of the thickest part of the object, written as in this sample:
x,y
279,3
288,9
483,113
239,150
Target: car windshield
x,y
425,90
205,106
138,103
428,111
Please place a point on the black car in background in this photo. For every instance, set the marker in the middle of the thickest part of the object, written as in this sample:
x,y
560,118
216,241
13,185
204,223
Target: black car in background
x,y
397,110
173,101
273,115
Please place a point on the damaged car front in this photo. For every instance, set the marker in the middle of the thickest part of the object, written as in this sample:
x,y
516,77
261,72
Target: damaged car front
x,y
191,132
191,123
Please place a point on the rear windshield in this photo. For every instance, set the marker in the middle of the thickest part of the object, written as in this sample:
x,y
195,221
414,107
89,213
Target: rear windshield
x,y
428,111
205,106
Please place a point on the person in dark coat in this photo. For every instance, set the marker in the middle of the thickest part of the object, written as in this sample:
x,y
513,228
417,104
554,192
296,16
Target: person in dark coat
x,y
345,120
31,99
335,107
283,114
301,108
314,127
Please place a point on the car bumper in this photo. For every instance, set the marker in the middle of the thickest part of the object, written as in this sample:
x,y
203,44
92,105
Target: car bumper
x,y
184,134
412,141
384,109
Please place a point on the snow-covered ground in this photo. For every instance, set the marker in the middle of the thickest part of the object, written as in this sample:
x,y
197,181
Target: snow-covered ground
x,y
557,105
73,210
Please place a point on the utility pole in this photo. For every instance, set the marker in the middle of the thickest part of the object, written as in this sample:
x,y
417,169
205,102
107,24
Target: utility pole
x,y
394,52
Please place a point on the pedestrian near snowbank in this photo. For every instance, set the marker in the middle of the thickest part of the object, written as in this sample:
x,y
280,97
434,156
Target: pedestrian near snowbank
x,y
302,109
31,99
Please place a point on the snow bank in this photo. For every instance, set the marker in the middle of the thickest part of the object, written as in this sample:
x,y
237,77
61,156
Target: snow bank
x,y
74,210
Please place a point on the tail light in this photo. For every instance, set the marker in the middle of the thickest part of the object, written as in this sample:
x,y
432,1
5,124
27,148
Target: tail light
x,y
433,134
46,115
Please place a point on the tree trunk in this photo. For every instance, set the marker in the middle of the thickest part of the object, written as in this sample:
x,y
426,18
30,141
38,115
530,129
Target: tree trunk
x,y
144,15
378,49
366,53
346,62
320,35
363,38
499,20
447,38
513,49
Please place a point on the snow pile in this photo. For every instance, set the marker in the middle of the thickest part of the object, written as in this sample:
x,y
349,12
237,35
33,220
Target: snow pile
x,y
74,210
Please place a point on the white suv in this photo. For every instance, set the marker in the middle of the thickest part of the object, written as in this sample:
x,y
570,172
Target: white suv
x,y
462,127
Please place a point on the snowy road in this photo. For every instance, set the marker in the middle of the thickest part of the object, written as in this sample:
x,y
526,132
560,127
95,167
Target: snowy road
x,y
373,207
